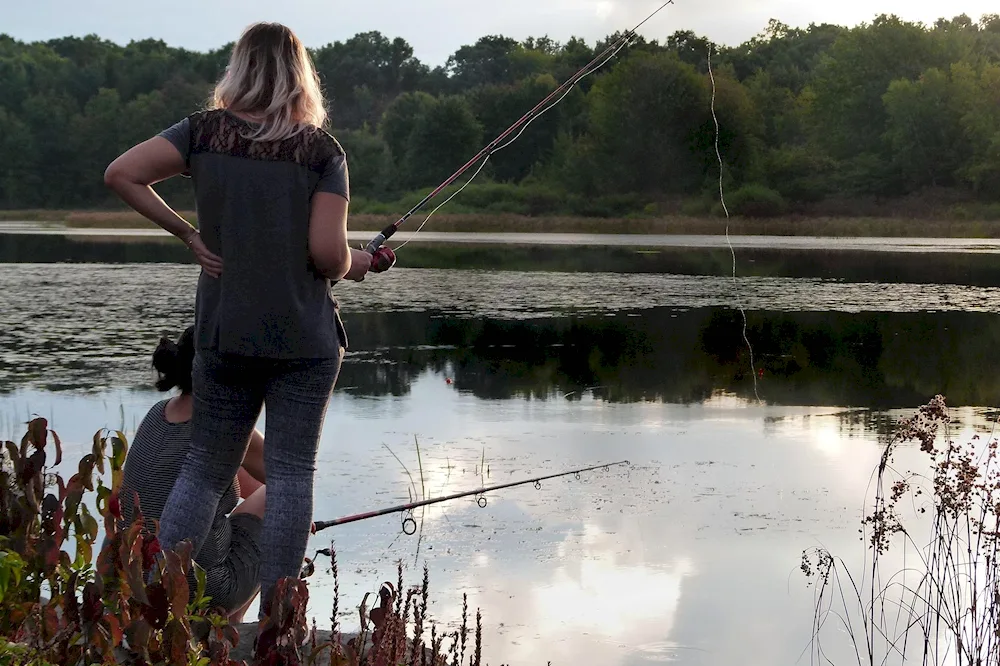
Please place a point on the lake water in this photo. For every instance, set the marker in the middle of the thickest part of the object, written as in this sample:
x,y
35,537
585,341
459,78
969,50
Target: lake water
x,y
689,554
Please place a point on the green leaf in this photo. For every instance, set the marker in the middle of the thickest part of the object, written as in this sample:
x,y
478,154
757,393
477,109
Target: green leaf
x,y
98,451
11,565
201,577
84,550
89,524
119,446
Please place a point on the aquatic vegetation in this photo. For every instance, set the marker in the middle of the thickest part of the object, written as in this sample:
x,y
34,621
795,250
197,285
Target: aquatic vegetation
x,y
943,605
61,606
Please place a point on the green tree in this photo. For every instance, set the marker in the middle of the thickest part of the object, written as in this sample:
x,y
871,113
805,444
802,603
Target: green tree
x,y
91,62
740,132
145,66
49,117
14,79
399,121
691,48
363,74
444,138
20,184
146,115
789,56
95,140
981,125
781,113
884,108
497,107
489,61
645,117
924,129
849,84
572,57
369,162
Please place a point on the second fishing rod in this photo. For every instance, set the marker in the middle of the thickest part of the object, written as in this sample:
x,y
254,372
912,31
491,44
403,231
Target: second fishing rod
x,y
324,524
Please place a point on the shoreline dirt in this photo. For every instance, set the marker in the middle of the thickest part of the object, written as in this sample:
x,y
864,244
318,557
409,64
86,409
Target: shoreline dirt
x,y
248,631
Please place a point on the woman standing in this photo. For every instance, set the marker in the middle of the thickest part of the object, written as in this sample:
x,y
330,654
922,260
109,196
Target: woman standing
x,y
272,197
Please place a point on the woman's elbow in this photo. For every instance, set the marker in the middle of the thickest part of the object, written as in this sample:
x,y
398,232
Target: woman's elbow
x,y
335,265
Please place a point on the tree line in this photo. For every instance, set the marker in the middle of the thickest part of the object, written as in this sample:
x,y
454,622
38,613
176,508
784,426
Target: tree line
x,y
887,109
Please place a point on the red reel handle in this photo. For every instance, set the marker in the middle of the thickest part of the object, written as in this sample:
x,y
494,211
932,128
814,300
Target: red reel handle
x,y
383,259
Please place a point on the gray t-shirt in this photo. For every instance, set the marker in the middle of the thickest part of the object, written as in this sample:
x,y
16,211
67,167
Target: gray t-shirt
x,y
253,204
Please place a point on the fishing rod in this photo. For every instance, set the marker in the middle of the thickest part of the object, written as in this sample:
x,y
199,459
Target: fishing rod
x,y
324,524
384,259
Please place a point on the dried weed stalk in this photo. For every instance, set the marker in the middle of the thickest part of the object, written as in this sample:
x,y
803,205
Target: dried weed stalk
x,y
942,606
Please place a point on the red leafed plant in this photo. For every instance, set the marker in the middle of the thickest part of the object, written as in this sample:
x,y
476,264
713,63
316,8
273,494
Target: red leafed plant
x,y
386,636
59,605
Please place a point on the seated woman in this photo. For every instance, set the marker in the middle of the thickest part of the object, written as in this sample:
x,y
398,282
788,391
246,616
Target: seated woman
x,y
231,554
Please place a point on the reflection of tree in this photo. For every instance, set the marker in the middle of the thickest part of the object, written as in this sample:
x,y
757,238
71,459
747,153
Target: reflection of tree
x,y
872,359
877,360
979,269
865,422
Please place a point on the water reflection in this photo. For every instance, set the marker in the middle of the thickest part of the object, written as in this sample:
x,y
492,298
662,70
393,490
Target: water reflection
x,y
691,554
696,546
544,336
937,262
685,357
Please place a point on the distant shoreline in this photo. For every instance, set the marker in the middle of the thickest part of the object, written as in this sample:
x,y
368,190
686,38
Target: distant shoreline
x,y
839,227
478,242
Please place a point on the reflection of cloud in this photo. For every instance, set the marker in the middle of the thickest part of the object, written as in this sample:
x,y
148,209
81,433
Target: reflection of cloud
x,y
595,590
601,597
585,571
828,440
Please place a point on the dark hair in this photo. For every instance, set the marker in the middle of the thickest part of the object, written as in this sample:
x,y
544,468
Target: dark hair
x,y
172,361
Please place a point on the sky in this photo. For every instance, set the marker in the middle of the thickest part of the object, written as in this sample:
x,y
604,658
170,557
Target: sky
x,y
436,28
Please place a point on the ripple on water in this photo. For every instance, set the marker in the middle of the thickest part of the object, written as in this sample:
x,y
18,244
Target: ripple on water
x,y
58,318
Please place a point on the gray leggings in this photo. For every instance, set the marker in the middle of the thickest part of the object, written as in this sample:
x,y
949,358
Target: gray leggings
x,y
229,392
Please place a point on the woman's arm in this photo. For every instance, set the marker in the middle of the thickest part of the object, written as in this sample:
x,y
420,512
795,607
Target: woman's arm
x,y
328,235
253,461
361,263
248,484
132,174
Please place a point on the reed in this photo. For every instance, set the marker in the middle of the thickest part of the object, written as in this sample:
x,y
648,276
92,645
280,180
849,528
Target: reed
x,y
943,605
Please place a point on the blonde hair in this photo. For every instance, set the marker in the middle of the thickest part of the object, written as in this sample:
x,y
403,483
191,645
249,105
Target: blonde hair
x,y
271,75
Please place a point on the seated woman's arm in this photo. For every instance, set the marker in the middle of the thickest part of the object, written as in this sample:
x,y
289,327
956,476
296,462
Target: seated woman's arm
x,y
253,461
248,484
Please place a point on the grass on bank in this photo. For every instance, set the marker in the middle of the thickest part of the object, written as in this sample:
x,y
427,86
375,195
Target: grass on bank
x,y
753,209
669,224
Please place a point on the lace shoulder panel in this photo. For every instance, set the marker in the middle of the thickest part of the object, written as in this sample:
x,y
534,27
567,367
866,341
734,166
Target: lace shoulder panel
x,y
219,132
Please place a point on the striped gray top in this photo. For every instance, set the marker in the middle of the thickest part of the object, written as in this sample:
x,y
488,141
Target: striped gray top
x,y
153,463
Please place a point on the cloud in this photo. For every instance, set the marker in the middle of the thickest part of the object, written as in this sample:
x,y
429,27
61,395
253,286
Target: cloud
x,y
436,28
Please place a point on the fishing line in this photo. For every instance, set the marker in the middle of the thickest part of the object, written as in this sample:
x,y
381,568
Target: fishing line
x,y
529,117
722,198
516,137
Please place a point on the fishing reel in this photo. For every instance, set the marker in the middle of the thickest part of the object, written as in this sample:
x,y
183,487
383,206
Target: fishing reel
x,y
383,259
